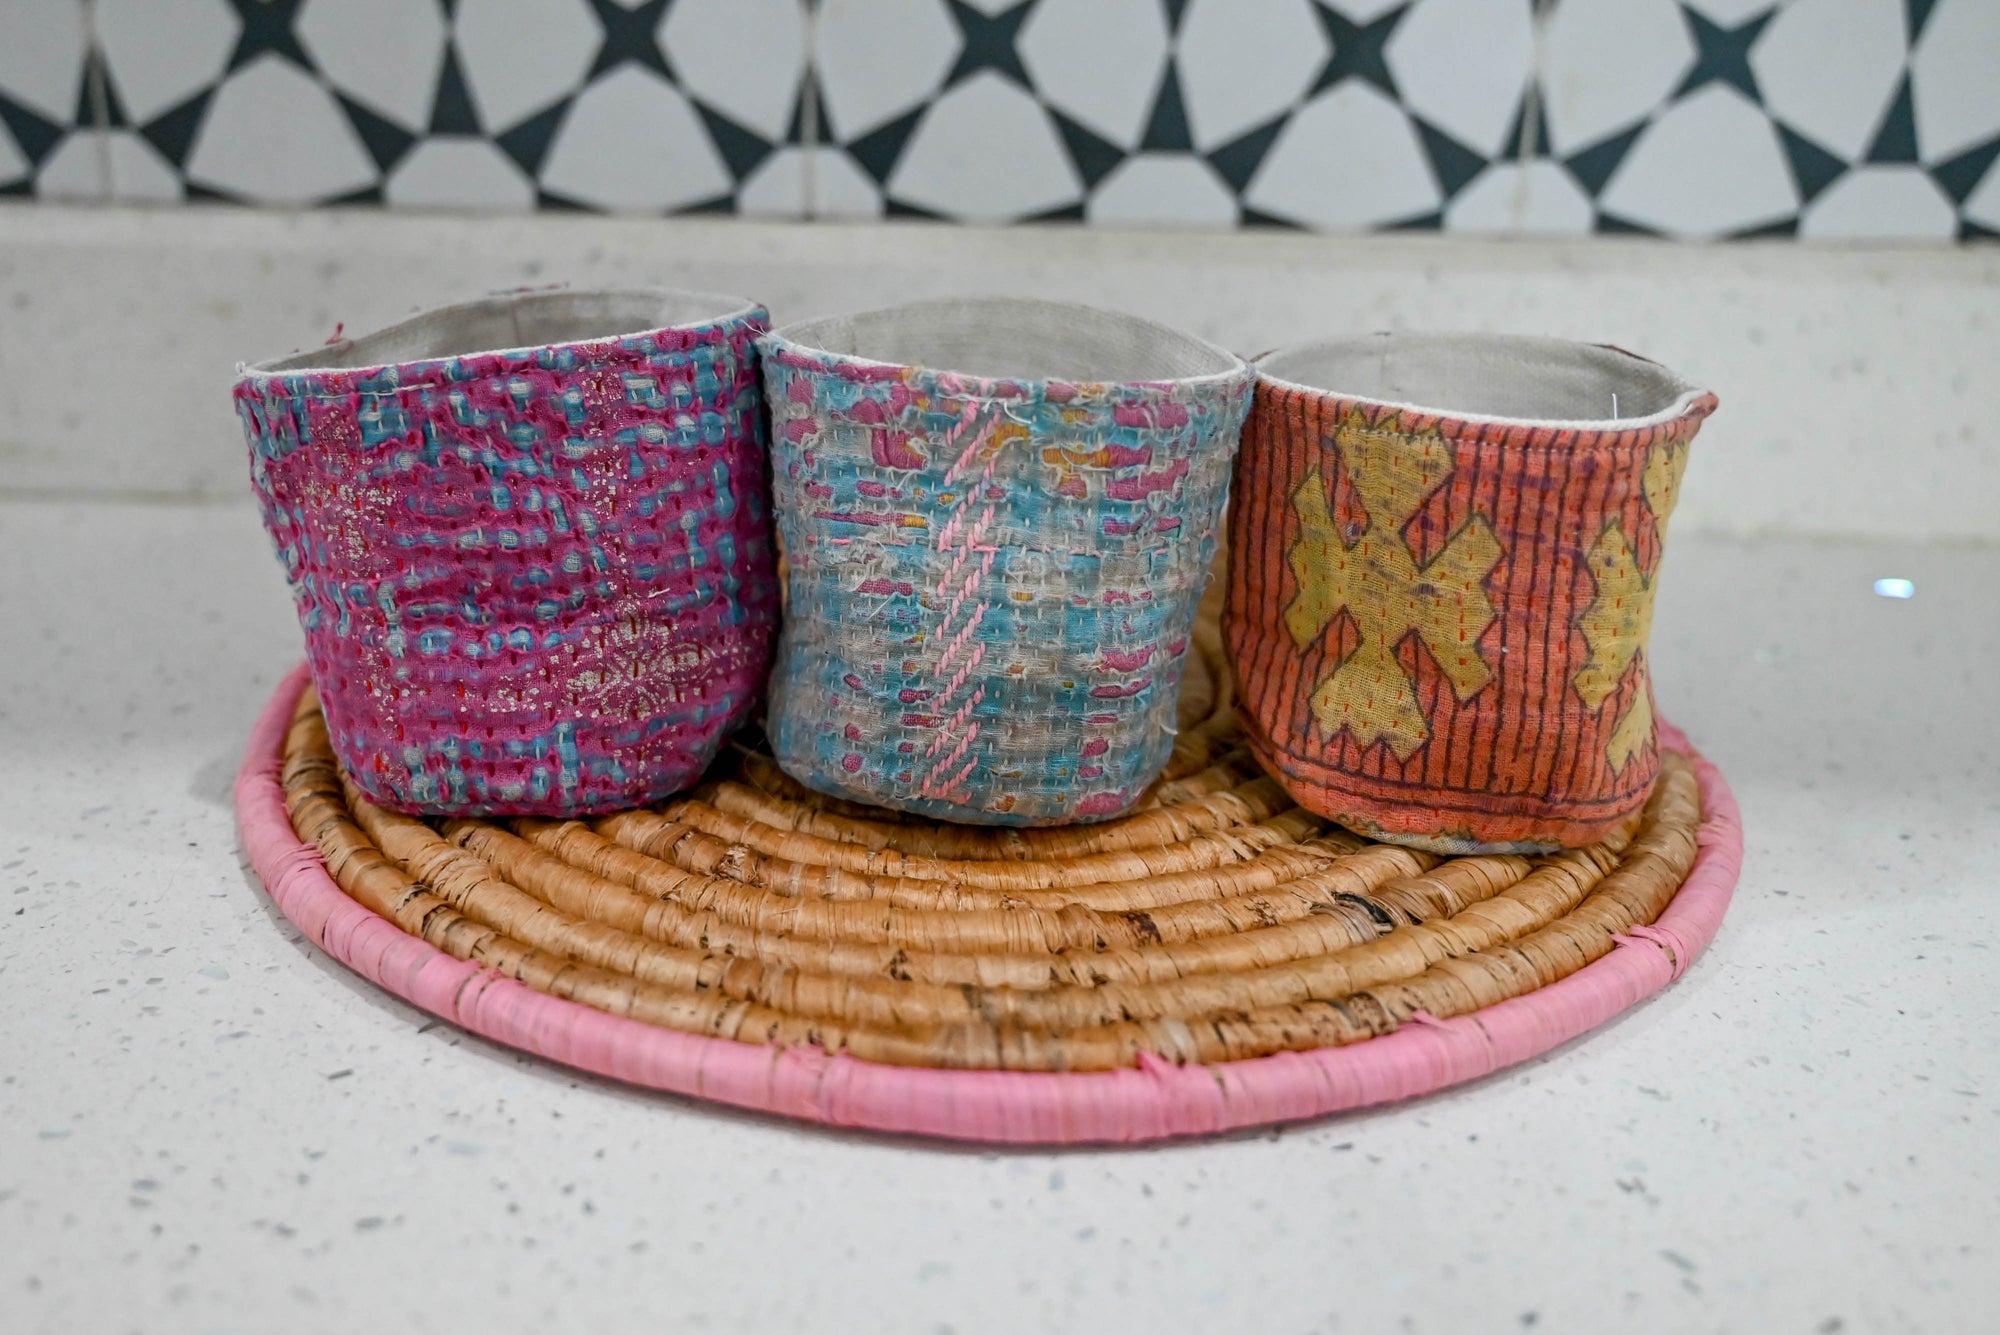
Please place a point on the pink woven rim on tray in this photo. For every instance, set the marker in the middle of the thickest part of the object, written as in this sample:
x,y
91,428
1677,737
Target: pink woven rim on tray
x,y
1155,1100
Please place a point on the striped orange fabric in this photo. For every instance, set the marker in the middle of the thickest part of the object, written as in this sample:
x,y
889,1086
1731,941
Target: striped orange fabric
x,y
1438,626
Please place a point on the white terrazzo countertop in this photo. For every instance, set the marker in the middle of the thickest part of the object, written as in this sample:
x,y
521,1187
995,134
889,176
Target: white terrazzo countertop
x,y
206,1125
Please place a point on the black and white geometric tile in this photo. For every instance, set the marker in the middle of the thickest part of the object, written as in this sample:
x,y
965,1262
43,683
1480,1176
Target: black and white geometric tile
x,y
45,112
1687,118
1168,112
1718,118
654,106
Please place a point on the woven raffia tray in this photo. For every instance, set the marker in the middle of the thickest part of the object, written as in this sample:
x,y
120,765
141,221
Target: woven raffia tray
x,y
1217,959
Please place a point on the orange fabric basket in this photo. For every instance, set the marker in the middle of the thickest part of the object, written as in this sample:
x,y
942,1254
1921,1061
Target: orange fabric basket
x,y
1438,615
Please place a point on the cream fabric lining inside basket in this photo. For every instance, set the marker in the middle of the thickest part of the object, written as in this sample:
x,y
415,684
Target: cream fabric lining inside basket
x,y
1006,339
1490,377
515,320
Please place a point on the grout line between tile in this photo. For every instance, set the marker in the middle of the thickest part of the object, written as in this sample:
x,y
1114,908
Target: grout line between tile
x,y
1531,116
809,118
100,101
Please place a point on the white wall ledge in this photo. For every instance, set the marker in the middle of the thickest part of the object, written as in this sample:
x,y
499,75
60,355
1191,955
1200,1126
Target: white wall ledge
x,y
1857,382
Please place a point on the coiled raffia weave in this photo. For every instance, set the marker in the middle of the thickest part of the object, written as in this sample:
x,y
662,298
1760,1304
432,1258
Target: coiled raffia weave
x,y
1218,924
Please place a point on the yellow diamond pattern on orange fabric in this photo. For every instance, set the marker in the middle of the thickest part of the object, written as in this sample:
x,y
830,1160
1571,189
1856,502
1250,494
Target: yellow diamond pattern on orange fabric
x,y
1378,582
1620,617
1633,733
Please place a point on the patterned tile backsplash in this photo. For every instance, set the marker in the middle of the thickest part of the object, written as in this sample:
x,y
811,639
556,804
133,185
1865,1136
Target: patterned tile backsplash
x,y
1683,118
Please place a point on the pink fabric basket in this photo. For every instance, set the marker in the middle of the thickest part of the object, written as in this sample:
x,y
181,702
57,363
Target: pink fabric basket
x,y
1151,1101
535,581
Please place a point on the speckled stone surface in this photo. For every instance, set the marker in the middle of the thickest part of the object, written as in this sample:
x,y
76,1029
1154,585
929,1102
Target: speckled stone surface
x,y
208,1126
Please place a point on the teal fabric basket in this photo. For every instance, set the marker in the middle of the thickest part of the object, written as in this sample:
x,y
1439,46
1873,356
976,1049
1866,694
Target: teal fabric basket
x,y
993,570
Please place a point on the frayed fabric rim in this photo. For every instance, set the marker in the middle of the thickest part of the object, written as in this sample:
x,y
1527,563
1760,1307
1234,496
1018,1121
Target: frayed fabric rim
x,y
1153,1101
